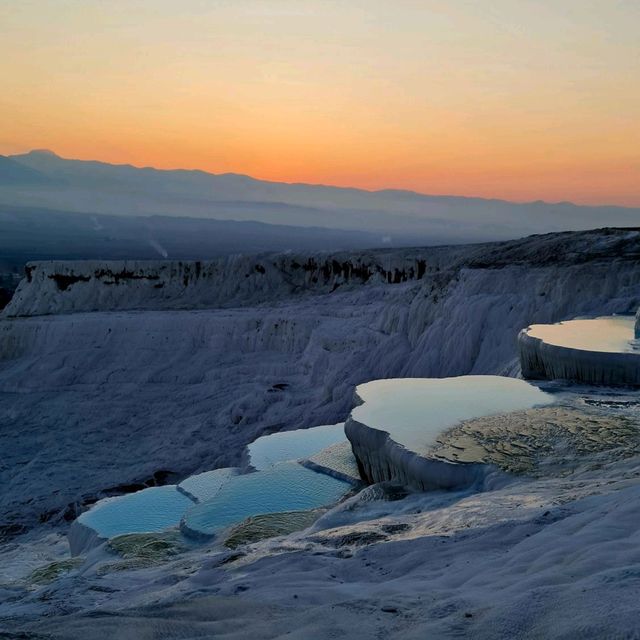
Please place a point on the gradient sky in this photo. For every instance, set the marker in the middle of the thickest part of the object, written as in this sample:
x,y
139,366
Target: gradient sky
x,y
517,99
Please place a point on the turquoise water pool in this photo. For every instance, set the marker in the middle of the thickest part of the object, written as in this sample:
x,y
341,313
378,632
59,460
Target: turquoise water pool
x,y
293,445
151,510
287,486
226,496
205,486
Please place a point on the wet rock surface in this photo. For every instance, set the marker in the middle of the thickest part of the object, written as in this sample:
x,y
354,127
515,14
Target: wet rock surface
x,y
270,525
543,441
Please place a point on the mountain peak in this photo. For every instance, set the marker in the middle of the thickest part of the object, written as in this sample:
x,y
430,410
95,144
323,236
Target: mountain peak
x,y
43,152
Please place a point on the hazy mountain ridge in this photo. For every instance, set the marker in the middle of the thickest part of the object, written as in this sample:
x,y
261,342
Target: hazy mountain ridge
x,y
407,217
12,172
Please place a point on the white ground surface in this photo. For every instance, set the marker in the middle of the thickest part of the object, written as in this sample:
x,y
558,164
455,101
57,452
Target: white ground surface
x,y
557,558
89,401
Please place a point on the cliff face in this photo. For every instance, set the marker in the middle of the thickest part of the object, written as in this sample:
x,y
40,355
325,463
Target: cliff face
x,y
180,377
381,459
542,361
67,287
75,286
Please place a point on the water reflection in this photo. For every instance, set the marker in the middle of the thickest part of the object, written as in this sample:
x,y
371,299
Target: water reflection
x,y
415,410
611,334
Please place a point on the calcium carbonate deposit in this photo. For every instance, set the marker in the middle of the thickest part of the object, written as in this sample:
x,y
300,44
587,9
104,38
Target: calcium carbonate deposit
x,y
397,422
116,378
593,351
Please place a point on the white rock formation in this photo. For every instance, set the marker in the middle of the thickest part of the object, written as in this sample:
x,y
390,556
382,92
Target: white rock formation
x,y
396,423
337,460
90,401
64,287
581,351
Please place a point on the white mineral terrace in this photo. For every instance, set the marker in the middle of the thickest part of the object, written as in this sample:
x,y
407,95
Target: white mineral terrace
x,y
601,350
415,410
610,334
398,421
208,502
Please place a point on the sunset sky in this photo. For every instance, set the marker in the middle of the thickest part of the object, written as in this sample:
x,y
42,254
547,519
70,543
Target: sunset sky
x,y
516,99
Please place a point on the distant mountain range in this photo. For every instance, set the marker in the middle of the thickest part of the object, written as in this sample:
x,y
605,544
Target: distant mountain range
x,y
43,180
13,173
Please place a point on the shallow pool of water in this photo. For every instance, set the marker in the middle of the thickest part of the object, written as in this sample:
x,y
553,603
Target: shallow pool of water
x,y
278,486
205,486
415,410
287,486
150,510
611,334
270,450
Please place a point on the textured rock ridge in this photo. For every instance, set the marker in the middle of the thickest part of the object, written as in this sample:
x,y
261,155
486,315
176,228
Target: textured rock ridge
x,y
607,255
64,287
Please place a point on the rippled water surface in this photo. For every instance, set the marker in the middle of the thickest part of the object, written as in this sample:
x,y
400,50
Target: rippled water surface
x,y
153,509
293,445
284,487
205,486
230,497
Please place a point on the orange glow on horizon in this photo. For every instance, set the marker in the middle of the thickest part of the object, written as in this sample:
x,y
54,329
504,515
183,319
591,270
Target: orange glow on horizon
x,y
522,102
